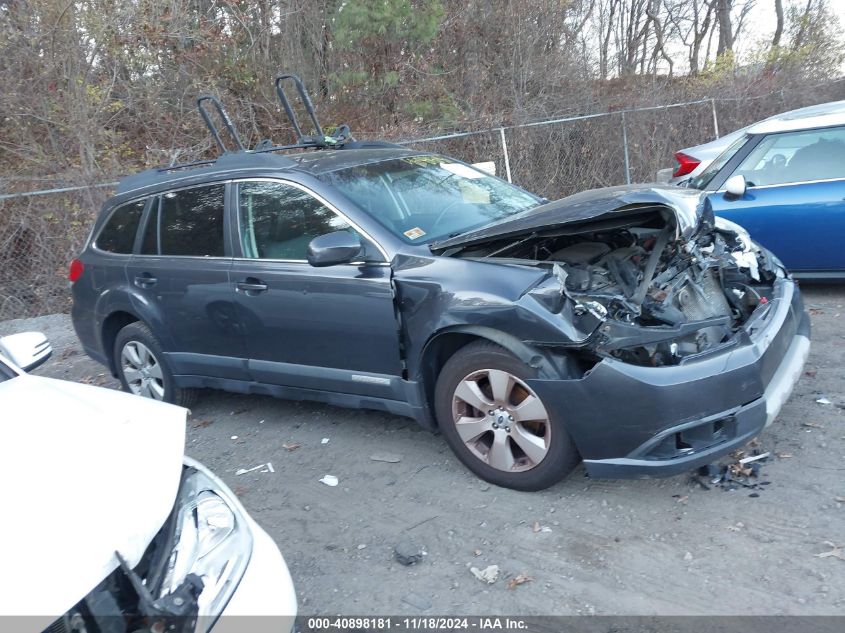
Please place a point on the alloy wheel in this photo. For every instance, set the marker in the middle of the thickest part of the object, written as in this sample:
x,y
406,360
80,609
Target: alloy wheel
x,y
501,420
142,370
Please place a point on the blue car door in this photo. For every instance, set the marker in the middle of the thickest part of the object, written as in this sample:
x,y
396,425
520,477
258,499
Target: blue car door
x,y
794,203
803,224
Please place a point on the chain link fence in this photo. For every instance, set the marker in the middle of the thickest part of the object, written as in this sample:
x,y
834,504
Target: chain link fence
x,y
41,231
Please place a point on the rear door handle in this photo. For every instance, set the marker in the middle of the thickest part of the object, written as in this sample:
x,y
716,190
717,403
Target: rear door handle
x,y
251,285
145,281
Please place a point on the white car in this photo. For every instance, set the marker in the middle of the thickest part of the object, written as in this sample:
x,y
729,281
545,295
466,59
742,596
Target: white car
x,y
104,516
692,161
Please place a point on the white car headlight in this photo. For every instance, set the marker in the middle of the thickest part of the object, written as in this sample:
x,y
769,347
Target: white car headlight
x,y
211,539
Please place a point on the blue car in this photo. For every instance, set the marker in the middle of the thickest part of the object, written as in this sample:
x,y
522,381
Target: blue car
x,y
784,182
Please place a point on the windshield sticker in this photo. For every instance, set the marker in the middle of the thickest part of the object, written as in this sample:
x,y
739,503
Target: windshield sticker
x,y
414,233
463,171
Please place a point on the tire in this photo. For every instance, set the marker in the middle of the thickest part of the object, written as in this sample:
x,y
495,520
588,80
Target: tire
x,y
142,367
491,445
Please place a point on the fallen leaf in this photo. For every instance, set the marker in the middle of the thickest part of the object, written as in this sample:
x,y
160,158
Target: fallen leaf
x,y
240,490
201,424
521,579
681,499
812,425
476,552
811,373
815,311
291,446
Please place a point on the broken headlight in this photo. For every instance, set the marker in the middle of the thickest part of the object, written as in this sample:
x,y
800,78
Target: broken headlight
x,y
210,538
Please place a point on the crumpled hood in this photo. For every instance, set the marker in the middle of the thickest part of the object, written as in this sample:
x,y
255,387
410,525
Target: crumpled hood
x,y
85,471
589,205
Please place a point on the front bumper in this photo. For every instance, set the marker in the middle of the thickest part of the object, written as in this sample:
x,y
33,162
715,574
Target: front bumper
x,y
632,421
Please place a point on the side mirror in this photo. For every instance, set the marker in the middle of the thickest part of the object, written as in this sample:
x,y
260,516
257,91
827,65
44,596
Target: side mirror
x,y
27,350
735,186
331,249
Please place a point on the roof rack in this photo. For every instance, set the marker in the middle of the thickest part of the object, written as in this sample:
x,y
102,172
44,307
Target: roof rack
x,y
224,116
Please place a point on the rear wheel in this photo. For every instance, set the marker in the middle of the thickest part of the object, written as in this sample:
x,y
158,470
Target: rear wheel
x,y
496,424
143,370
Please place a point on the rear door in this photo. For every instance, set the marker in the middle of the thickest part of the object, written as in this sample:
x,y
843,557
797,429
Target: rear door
x,y
181,282
332,328
795,199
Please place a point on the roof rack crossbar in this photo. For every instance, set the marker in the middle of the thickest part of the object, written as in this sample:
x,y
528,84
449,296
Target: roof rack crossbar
x,y
306,101
224,116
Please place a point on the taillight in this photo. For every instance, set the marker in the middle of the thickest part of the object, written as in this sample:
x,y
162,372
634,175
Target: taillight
x,y
686,164
76,269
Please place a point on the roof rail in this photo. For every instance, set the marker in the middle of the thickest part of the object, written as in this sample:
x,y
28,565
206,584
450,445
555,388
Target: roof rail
x,y
224,116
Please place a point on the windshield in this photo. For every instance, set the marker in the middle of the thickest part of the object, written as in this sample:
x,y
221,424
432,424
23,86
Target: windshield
x,y
426,198
703,179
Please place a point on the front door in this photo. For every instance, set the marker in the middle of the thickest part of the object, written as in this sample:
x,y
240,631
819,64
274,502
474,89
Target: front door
x,y
332,328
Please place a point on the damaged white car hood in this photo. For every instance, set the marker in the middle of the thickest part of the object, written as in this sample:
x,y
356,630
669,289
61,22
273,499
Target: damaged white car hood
x,y
86,471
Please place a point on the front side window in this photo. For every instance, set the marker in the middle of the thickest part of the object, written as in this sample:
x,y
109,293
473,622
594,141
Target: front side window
x,y
118,234
421,199
793,157
278,221
190,222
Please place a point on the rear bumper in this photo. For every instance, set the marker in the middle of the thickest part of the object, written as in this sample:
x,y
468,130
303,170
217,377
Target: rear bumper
x,y
631,421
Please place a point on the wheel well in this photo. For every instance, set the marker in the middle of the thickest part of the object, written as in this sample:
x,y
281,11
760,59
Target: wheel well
x,y
113,324
435,355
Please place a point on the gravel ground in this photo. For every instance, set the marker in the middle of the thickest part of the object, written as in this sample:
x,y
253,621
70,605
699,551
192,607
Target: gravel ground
x,y
607,547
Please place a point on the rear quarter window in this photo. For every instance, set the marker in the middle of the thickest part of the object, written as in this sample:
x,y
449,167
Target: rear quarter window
x,y
118,234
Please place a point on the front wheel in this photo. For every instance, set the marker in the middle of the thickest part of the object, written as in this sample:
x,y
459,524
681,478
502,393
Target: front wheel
x,y
142,368
496,424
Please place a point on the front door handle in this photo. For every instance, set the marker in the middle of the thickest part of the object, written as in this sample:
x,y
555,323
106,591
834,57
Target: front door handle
x,y
145,281
251,285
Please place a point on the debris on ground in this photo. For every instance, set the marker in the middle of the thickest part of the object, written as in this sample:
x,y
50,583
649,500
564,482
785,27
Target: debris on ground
x,y
325,440
390,458
681,498
329,480
540,528
835,551
264,468
407,552
742,472
234,437
784,455
476,552
811,373
823,400
688,556
812,425
291,446
201,424
839,499
520,579
489,574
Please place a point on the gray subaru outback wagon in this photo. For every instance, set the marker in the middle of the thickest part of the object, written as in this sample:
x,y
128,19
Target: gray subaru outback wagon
x,y
622,326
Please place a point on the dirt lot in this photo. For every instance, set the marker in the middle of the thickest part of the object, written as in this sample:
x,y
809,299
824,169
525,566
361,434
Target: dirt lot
x,y
606,547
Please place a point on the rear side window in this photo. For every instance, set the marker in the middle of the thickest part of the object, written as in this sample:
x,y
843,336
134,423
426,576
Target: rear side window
x,y
118,234
190,222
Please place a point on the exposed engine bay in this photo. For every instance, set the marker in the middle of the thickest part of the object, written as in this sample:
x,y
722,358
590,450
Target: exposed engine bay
x,y
662,297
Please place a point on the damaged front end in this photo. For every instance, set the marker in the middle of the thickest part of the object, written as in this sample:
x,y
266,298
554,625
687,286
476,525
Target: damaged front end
x,y
640,287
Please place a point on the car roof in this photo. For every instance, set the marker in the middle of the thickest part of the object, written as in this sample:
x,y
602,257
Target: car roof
x,y
821,115
815,116
250,163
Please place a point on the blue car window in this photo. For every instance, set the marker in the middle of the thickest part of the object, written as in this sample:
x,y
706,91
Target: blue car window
x,y
793,157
